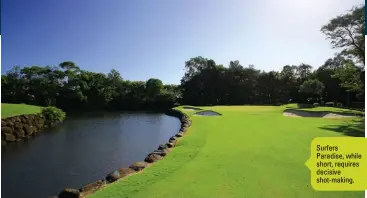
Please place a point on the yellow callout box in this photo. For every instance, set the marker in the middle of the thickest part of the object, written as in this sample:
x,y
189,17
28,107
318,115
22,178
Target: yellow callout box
x,y
338,163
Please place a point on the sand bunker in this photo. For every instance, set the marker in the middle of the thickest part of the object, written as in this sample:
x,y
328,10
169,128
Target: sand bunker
x,y
192,108
208,113
317,114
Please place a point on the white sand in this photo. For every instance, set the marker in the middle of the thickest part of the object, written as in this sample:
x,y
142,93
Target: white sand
x,y
315,114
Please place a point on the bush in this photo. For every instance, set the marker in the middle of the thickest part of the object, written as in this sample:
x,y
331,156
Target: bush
x,y
339,104
53,114
329,104
357,105
302,105
316,104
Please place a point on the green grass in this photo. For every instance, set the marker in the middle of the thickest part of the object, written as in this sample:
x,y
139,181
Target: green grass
x,y
8,110
248,152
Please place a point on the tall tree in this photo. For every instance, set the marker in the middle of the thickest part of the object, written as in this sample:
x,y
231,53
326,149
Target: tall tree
x,y
347,32
154,87
312,88
350,77
303,71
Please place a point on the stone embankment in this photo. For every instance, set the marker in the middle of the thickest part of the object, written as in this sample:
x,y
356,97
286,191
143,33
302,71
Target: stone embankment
x,y
18,128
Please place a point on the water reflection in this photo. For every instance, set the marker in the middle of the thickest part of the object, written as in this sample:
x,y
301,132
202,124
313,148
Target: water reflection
x,y
80,150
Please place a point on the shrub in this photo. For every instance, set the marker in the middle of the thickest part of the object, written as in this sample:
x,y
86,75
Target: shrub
x,y
357,105
316,104
329,104
53,114
339,104
302,105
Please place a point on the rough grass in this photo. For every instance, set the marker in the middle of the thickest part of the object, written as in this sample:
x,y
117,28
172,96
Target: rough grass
x,y
8,110
249,151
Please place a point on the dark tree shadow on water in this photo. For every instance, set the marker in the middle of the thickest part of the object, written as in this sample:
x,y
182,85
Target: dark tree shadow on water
x,y
353,128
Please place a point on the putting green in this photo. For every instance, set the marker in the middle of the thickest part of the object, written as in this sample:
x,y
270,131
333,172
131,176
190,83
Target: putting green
x,y
249,151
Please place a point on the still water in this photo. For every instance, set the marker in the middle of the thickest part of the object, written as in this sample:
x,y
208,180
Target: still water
x,y
81,150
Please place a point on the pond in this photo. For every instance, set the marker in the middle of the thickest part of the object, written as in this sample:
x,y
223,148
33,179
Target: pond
x,y
81,150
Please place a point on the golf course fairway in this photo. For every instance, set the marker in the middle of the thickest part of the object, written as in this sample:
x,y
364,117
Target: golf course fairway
x,y
248,151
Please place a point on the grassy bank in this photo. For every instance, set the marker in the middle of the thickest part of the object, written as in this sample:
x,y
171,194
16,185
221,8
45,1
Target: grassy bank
x,y
8,110
249,151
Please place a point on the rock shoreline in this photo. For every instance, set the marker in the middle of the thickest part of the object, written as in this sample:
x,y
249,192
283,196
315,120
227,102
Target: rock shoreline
x,y
22,127
123,172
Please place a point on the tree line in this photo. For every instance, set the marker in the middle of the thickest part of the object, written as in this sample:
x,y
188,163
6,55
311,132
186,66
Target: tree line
x,y
339,80
206,83
68,87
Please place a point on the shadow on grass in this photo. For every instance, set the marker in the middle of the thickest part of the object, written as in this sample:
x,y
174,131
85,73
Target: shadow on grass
x,y
353,128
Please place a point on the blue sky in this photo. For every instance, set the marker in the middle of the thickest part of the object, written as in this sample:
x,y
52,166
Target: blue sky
x,y
144,39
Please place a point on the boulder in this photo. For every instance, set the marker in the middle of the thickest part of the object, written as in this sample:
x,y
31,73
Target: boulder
x,y
3,123
151,158
39,126
34,122
183,129
162,146
162,153
162,150
6,130
69,193
29,121
173,138
17,119
112,177
180,134
40,121
9,124
9,137
24,120
138,166
120,173
170,145
18,125
93,187
29,130
19,133
124,172
173,141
